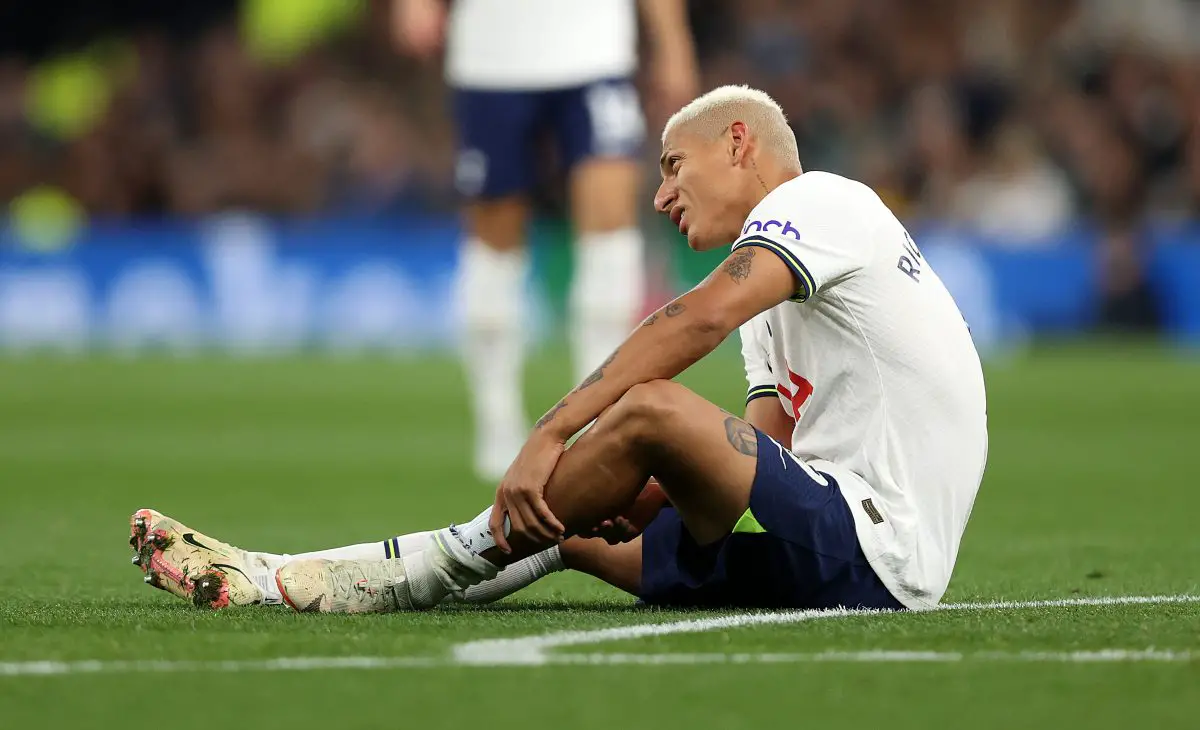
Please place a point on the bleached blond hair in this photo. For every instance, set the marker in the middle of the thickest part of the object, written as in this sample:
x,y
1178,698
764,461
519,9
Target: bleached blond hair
x,y
711,114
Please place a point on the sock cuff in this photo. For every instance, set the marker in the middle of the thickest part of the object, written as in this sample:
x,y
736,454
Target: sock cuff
x,y
549,561
476,254
609,279
626,241
490,286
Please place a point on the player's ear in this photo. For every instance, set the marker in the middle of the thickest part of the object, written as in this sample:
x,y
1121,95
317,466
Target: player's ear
x,y
737,139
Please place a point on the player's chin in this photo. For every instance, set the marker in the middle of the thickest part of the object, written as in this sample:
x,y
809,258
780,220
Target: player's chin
x,y
697,241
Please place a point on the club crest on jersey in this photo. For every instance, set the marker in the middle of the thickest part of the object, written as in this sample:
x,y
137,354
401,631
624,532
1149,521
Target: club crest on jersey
x,y
785,228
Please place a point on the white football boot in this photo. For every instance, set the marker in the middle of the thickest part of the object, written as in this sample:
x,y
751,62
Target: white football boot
x,y
196,567
344,586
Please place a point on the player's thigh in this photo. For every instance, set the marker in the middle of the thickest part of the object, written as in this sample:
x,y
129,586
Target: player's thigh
x,y
704,458
495,169
618,565
601,136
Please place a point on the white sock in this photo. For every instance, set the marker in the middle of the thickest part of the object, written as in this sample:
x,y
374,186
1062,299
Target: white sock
x,y
263,565
394,547
490,289
513,578
261,569
453,564
606,295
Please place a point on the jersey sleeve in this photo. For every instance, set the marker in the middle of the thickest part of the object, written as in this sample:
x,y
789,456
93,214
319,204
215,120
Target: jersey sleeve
x,y
758,368
819,236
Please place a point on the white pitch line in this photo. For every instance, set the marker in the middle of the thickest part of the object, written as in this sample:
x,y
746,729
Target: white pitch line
x,y
876,656
227,666
870,656
534,650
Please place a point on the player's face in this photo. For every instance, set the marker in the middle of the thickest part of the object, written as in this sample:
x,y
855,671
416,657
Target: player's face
x,y
701,190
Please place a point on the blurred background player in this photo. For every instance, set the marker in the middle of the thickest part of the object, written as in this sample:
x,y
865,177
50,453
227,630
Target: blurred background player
x,y
523,71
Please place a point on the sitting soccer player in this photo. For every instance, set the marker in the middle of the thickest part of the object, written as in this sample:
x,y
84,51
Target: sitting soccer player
x,y
848,483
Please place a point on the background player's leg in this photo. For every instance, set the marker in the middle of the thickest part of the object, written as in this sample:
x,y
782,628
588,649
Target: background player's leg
x,y
601,130
493,171
609,277
490,289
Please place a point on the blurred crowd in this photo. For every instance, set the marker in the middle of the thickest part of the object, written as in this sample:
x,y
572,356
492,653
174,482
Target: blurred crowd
x,y
1016,116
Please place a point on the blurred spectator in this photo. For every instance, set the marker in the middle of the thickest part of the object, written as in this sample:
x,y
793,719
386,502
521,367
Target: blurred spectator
x,y
1016,196
1010,115
1128,304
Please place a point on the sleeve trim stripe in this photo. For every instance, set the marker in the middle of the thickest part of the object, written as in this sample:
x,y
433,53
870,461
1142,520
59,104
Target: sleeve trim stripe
x,y
805,280
761,391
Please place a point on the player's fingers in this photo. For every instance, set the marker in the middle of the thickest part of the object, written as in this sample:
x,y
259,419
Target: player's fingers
x,y
600,530
518,524
544,532
537,527
496,523
627,527
532,527
548,517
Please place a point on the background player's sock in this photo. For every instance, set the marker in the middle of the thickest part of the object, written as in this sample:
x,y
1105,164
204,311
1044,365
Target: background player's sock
x,y
490,289
520,574
606,295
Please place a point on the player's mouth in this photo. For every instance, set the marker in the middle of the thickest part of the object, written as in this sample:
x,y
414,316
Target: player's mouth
x,y
677,217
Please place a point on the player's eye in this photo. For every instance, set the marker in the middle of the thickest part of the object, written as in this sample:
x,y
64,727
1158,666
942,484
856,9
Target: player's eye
x,y
673,162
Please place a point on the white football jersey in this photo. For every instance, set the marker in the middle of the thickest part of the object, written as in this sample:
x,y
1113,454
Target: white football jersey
x,y
874,361
539,44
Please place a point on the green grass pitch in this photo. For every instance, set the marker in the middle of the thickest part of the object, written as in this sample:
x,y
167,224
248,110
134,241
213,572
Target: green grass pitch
x,y
1091,491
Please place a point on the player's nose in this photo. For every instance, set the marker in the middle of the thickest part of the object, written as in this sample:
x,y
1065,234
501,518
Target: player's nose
x,y
664,197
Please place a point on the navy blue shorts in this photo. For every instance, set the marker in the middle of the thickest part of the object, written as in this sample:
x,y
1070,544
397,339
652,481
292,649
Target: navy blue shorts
x,y
499,132
795,548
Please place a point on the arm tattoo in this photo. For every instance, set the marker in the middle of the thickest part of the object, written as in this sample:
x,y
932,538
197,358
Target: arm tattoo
x,y
742,436
598,373
550,414
738,265
674,309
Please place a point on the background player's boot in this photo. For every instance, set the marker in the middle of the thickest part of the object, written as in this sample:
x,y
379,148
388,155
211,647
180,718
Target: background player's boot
x,y
189,564
344,586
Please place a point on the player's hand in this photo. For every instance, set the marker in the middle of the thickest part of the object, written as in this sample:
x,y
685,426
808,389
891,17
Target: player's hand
x,y
521,495
614,531
633,522
419,27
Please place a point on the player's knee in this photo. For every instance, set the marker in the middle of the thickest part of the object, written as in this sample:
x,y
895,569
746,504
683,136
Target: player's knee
x,y
647,408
